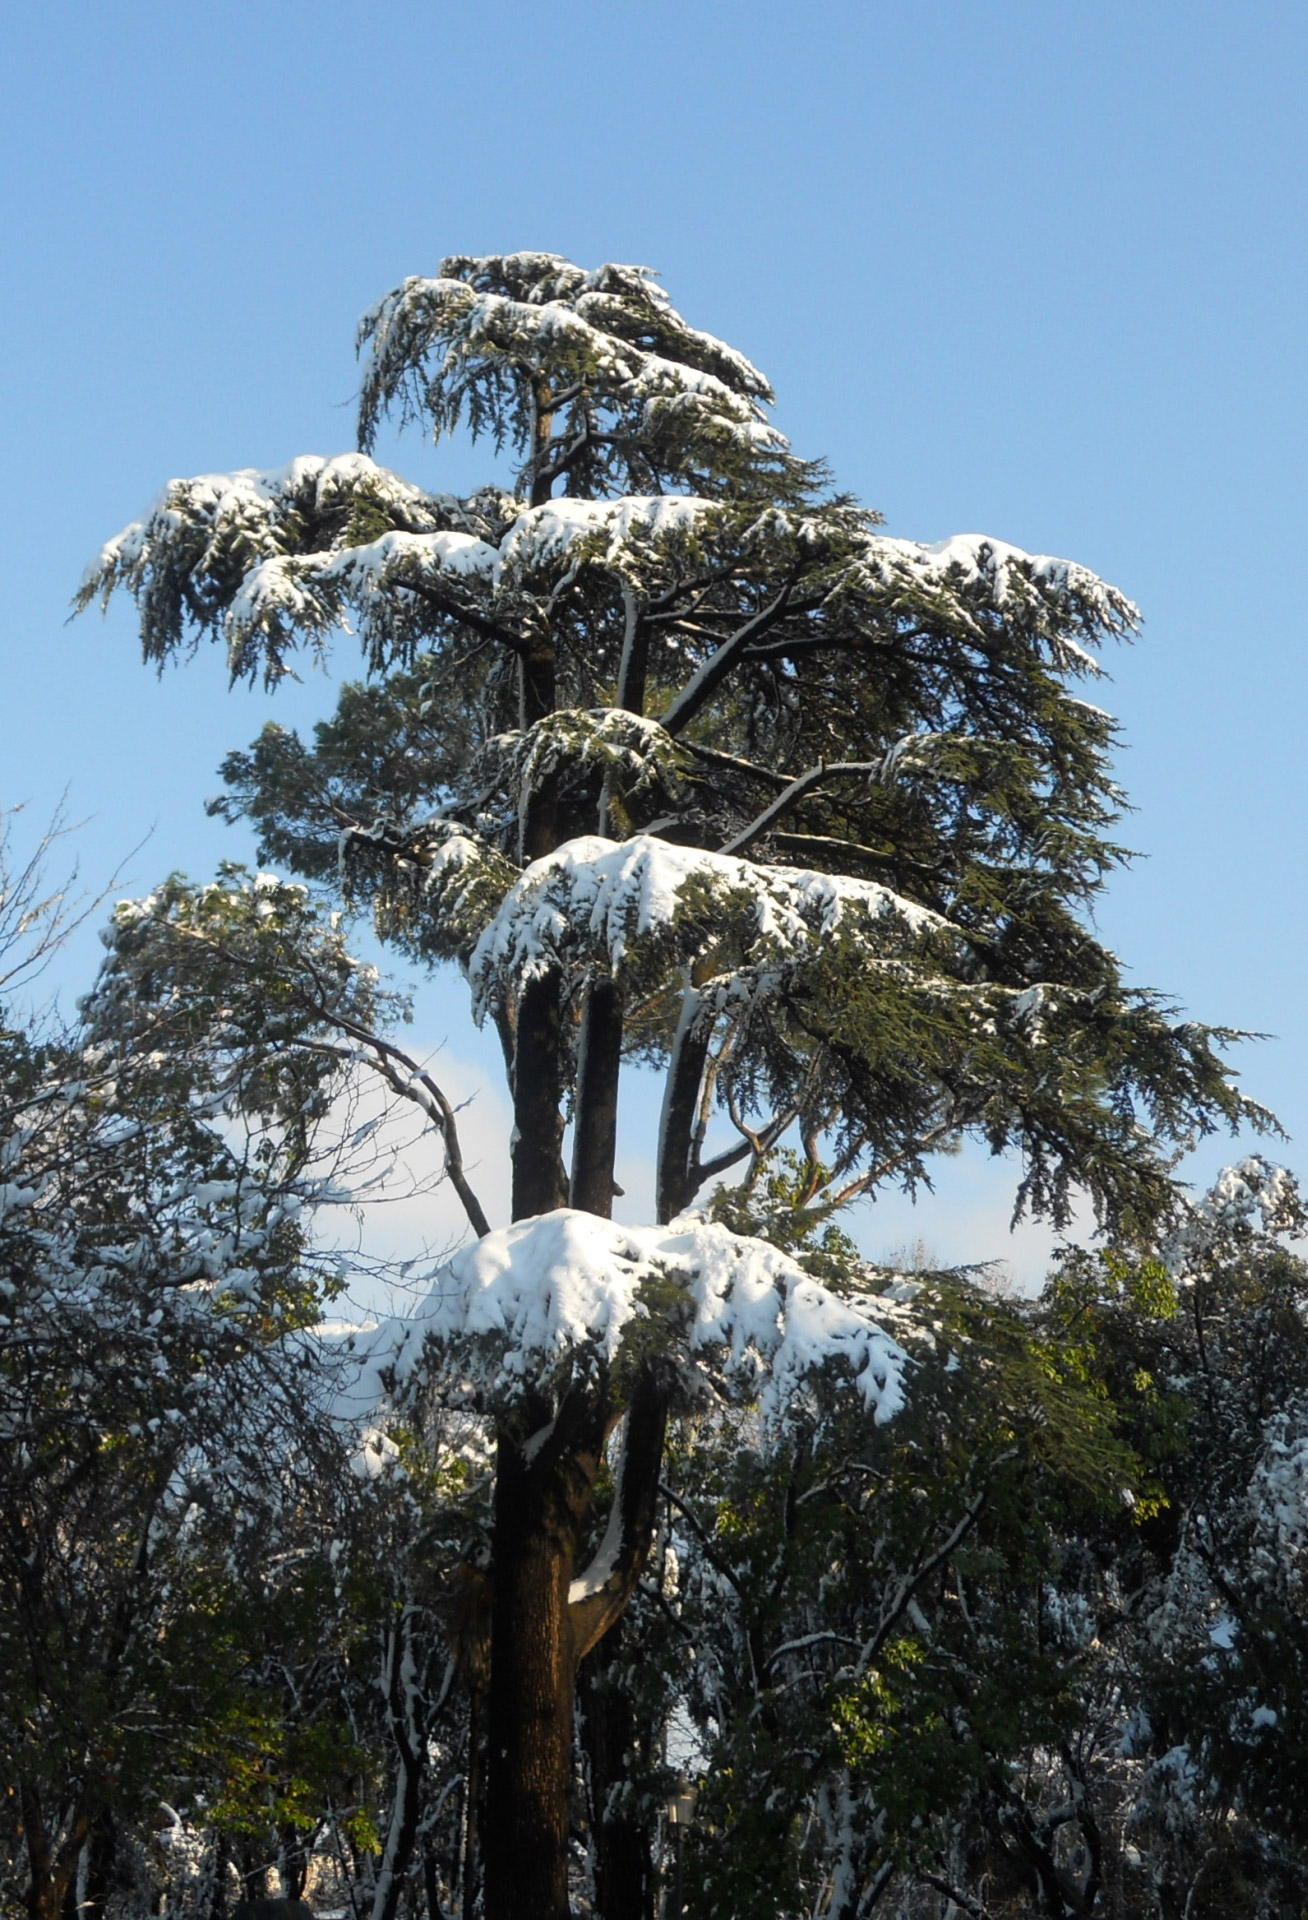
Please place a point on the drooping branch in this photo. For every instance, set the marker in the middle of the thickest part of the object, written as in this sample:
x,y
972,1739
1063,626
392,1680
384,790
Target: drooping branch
x,y
414,1083
399,1069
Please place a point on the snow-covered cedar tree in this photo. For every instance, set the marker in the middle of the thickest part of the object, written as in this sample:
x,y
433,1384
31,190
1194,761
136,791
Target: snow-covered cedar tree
x,y
160,1396
683,761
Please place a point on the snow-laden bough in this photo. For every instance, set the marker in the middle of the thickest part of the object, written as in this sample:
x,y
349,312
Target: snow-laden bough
x,y
546,1300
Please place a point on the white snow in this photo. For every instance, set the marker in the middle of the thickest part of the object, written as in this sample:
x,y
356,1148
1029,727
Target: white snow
x,y
253,499
535,1301
598,896
1254,1191
1006,573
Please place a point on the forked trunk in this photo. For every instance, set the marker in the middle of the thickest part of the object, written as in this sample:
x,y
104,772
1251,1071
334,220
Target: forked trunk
x,y
51,1872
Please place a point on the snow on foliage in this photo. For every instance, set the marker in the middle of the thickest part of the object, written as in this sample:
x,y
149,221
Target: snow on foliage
x,y
547,1298
1253,1194
437,343
1008,579
596,898
572,739
266,558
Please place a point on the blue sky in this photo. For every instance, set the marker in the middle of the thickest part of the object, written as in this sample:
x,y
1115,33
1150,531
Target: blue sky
x,y
1033,270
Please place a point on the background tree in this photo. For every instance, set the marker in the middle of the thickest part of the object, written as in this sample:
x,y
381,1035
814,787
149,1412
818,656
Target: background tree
x,y
683,761
157,1400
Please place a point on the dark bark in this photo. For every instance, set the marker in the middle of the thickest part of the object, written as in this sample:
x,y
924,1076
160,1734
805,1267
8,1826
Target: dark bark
x,y
539,1181
541,1494
253,1870
635,1501
624,1867
634,667
673,1185
595,1127
542,479
431,1885
101,1853
472,1797
407,1714
293,1860
39,1863
708,677
222,1852
50,1872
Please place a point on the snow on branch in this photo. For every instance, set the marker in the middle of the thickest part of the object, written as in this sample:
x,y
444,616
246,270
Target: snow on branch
x,y
1253,1196
536,1303
620,745
234,552
1004,578
594,900
509,340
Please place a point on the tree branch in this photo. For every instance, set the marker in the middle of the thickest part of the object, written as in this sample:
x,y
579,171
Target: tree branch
x,y
413,1083
719,663
717,758
910,1583
598,1596
479,622
802,784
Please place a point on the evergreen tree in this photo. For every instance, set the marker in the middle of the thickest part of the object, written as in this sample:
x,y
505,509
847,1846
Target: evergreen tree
x,y
683,761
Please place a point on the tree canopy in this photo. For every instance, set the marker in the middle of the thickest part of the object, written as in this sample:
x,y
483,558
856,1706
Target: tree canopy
x,y
685,762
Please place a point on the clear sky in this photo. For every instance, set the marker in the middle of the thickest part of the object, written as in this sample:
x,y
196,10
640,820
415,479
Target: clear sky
x,y
1029,269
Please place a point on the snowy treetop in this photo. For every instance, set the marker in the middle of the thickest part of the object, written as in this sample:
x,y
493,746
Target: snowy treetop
x,y
539,1301
1253,1196
509,340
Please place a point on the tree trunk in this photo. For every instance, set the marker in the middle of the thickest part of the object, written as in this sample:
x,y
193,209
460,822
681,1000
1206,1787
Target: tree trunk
x,y
222,1849
49,1873
541,1494
674,1187
539,1182
431,1885
595,1129
39,1864
101,1852
624,1867
472,1799
407,1713
293,1861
